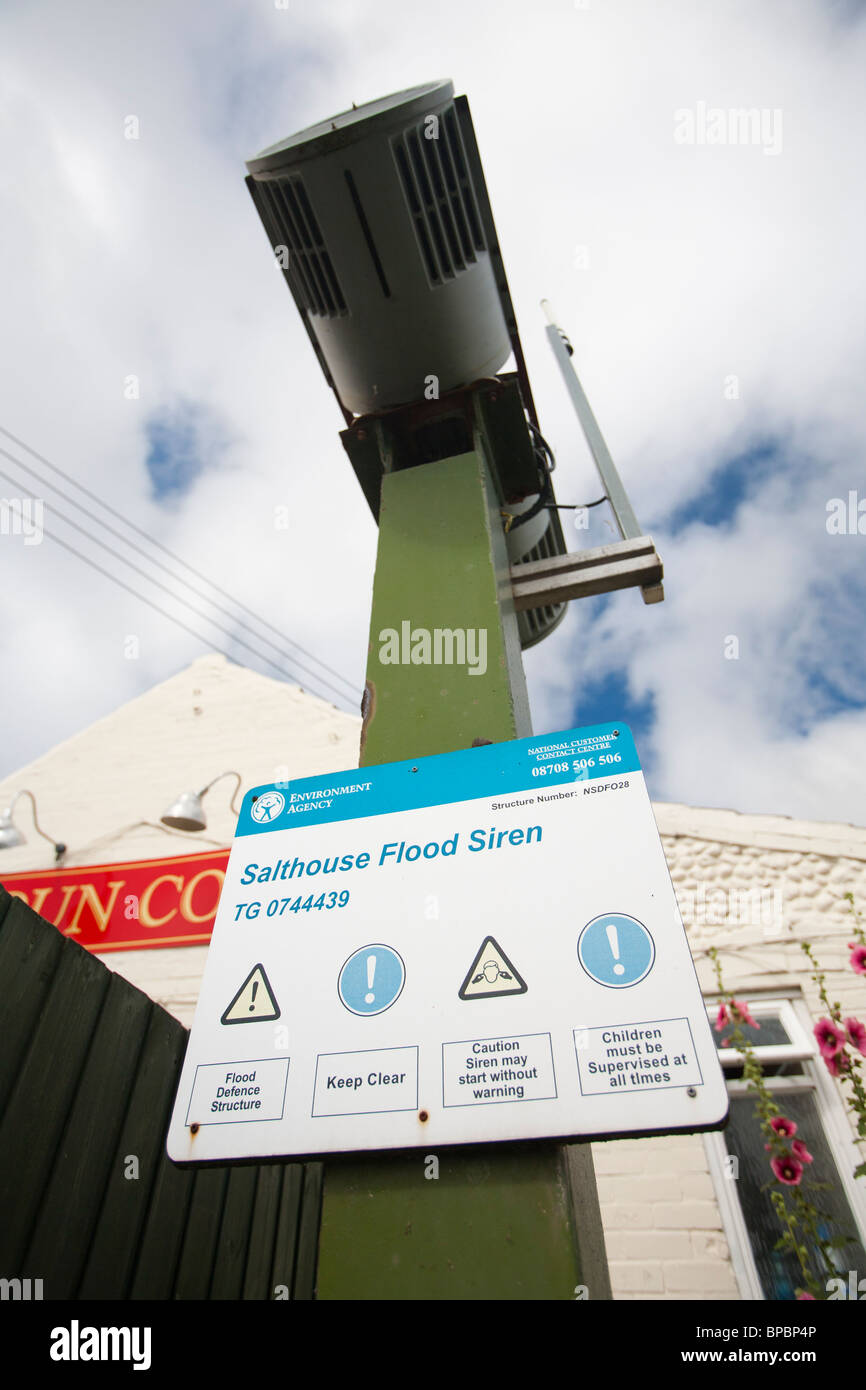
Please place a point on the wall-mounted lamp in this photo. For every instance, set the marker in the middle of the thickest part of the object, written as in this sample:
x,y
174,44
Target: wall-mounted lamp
x,y
10,835
187,812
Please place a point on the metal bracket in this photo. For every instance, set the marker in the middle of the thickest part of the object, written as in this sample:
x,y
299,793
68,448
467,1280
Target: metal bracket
x,y
622,565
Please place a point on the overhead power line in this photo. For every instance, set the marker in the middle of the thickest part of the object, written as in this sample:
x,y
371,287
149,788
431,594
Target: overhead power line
x,y
177,558
158,583
115,580
150,579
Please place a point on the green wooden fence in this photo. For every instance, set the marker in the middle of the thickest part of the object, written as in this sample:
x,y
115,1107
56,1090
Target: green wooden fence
x,y
88,1071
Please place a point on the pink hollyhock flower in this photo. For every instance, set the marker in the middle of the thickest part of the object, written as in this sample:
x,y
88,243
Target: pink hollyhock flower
x,y
858,958
787,1170
784,1126
799,1150
740,1010
830,1038
836,1063
723,1018
856,1033
802,1296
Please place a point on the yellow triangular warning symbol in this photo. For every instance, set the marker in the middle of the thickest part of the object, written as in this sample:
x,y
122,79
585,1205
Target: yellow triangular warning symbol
x,y
254,1001
491,974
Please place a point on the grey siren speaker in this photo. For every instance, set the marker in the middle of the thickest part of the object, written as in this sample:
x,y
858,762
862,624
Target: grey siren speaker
x,y
376,214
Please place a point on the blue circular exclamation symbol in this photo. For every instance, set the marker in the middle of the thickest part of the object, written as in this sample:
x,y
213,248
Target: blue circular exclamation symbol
x,y
616,950
371,980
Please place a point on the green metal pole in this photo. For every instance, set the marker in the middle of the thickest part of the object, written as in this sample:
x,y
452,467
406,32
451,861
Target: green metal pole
x,y
497,1222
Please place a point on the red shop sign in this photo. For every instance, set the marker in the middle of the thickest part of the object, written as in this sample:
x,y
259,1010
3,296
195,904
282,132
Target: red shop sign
x,y
128,907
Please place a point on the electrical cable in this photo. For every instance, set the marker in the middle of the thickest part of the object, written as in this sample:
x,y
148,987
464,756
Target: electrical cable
x,y
153,541
577,506
545,491
544,445
109,575
125,541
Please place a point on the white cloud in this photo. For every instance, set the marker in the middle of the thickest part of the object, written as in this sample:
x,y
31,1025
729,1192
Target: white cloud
x,y
145,257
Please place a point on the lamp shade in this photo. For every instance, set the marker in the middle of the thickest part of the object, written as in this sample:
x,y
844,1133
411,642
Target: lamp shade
x,y
10,837
187,813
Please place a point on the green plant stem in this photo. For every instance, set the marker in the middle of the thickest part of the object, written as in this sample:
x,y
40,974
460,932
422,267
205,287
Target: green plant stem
x,y
799,1217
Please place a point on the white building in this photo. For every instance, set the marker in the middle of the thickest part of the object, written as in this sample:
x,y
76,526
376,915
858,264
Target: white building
x,y
681,1220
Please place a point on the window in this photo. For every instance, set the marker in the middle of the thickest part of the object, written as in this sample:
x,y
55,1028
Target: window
x,y
801,1087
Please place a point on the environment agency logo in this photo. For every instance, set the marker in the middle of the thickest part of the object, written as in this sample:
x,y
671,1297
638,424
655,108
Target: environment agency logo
x,y
267,807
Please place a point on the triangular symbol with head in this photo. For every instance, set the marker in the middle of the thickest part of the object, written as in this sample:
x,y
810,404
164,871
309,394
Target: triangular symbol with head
x,y
254,1001
491,974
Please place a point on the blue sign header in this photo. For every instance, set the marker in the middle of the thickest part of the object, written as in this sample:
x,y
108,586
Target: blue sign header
x,y
494,770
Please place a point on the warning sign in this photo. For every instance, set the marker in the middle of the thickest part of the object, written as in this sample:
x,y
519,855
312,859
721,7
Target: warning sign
x,y
365,1083
491,974
234,1092
254,1001
636,1057
487,1071
473,947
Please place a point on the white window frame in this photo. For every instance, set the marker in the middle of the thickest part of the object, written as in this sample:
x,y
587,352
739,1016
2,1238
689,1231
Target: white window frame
x,y
793,1013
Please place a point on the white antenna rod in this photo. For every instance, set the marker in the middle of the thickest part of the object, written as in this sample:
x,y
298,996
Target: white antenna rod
x,y
616,494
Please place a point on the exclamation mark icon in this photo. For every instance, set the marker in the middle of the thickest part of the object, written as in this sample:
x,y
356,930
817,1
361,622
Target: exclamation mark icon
x,y
253,1004
613,938
369,998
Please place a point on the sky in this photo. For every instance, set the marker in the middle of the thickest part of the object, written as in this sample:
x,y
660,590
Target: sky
x,y
714,293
